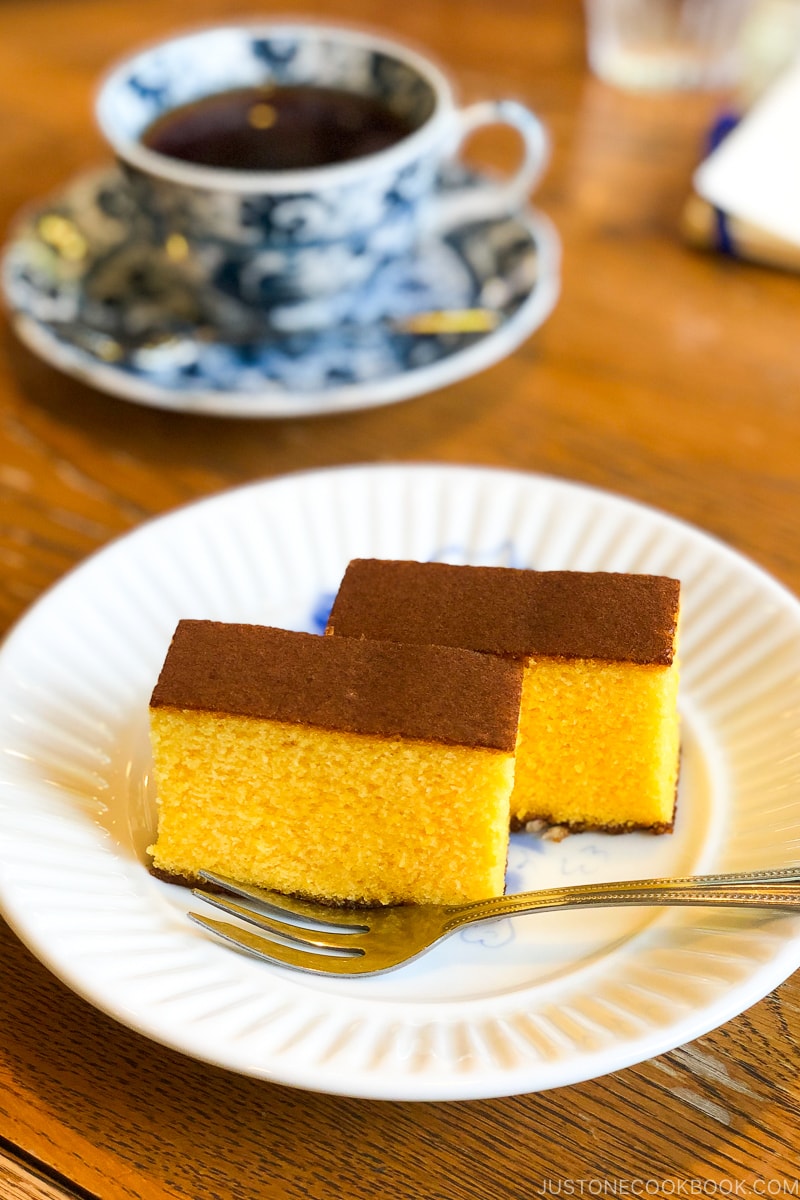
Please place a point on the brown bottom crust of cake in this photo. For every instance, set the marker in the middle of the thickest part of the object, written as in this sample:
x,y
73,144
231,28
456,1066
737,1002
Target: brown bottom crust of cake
x,y
659,827
189,881
194,881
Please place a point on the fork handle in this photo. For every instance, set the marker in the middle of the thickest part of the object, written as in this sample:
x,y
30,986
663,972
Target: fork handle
x,y
750,889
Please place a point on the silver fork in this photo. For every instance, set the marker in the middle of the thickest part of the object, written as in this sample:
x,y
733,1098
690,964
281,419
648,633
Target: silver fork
x,y
367,941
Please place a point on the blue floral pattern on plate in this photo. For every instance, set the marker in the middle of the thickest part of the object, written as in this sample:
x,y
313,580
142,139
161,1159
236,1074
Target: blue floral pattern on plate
x,y
95,293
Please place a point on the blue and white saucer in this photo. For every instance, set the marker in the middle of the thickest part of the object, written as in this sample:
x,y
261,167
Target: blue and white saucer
x,y
93,295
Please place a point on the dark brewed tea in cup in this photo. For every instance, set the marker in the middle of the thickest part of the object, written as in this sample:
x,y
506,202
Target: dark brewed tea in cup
x,y
314,165
277,128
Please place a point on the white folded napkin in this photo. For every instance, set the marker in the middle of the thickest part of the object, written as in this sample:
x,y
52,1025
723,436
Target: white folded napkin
x,y
755,173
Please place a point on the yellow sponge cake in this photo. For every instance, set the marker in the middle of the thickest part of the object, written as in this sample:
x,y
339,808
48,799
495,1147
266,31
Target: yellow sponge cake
x,y
344,770
598,738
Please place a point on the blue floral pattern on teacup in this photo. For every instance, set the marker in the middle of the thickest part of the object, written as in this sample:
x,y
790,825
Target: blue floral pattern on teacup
x,y
285,250
312,242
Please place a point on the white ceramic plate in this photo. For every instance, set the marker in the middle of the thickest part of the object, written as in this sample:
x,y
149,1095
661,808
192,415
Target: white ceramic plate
x,y
505,1008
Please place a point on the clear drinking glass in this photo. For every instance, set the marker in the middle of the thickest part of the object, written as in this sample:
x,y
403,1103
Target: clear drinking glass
x,y
661,44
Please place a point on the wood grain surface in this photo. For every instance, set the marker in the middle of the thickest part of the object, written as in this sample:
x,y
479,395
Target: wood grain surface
x,y
667,375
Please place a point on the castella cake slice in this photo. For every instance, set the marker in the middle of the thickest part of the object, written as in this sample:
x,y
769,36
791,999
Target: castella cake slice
x,y
599,733
350,771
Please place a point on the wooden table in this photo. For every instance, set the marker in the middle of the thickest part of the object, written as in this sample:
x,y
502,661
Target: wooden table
x,y
665,375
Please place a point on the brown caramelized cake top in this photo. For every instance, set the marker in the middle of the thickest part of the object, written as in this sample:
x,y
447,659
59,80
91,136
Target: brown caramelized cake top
x,y
429,693
504,611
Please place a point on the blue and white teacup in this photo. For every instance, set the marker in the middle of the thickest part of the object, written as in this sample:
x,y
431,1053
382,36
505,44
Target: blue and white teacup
x,y
292,244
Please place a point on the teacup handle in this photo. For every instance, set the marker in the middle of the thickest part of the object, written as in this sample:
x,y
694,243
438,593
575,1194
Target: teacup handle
x,y
489,200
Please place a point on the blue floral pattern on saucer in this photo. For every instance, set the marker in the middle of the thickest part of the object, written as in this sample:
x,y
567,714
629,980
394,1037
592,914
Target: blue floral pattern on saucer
x,y
97,295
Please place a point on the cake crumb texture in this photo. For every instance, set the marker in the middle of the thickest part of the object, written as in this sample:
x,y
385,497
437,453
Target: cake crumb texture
x,y
599,728
336,816
601,743
347,771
